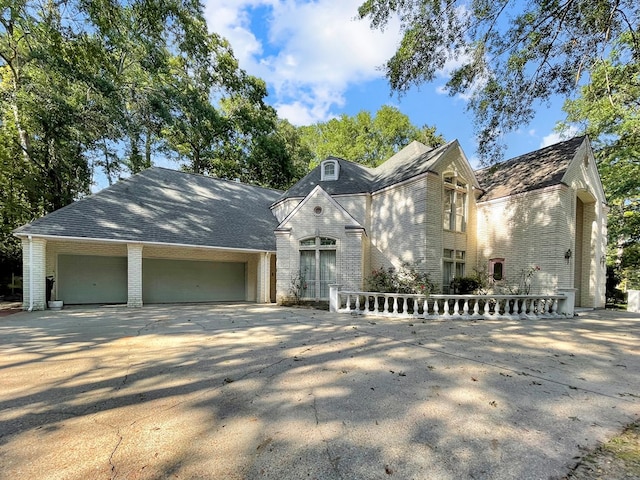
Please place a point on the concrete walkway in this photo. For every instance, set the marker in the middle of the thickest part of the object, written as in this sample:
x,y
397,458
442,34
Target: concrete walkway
x,y
252,392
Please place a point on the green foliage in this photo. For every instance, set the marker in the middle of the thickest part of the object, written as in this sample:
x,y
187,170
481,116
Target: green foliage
x,y
508,56
365,139
614,295
609,112
90,87
466,285
405,280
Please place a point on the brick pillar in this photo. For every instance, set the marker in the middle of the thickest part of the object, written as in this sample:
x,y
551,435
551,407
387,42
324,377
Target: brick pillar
x,y
34,262
284,265
352,253
134,275
264,262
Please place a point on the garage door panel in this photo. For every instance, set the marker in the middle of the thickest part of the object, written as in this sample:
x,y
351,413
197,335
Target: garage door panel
x,y
175,281
85,279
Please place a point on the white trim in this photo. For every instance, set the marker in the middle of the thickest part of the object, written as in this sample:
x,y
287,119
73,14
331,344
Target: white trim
x,y
317,189
336,170
155,244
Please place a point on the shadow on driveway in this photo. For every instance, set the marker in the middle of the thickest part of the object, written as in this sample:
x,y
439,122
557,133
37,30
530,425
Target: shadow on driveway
x,y
250,391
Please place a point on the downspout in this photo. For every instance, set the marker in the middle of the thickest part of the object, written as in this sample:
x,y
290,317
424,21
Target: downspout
x,y
30,273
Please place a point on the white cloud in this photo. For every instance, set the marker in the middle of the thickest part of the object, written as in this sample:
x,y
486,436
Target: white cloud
x,y
555,137
309,53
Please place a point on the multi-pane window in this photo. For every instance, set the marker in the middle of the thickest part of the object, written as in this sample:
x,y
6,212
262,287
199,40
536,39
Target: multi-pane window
x,y
455,204
329,170
453,266
317,266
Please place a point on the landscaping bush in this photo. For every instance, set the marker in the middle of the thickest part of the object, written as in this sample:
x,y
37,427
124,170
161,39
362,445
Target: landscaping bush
x,y
466,285
404,280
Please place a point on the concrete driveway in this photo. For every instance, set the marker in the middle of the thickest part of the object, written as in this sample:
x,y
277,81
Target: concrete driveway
x,y
248,391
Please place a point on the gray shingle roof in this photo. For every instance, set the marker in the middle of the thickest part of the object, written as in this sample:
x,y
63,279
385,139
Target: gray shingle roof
x,y
353,178
166,206
411,161
538,169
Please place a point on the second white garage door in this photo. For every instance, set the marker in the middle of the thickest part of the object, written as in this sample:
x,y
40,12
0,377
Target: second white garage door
x,y
181,281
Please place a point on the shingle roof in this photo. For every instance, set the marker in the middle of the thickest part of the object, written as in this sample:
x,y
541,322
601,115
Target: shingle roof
x,y
411,161
538,169
166,206
353,178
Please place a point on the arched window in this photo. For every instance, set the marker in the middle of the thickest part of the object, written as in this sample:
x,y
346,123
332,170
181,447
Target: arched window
x,y
454,203
317,266
329,170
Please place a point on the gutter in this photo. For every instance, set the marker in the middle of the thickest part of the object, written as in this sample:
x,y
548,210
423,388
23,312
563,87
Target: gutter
x,y
142,242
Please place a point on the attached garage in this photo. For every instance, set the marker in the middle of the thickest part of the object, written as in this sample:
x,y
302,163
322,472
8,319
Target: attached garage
x,y
85,279
159,236
176,281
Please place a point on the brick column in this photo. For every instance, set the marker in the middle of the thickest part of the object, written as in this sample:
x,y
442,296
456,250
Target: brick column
x,y
283,264
34,262
352,275
134,275
262,295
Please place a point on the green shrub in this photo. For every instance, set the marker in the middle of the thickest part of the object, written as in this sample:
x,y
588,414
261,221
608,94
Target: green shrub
x,y
466,285
404,280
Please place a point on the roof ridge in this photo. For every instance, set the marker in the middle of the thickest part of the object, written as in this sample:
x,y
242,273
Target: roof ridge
x,y
209,177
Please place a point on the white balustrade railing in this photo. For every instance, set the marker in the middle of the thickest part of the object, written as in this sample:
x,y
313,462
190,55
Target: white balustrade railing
x,y
450,306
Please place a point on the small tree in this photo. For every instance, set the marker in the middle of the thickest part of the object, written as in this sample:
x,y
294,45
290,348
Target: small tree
x,y
298,287
524,281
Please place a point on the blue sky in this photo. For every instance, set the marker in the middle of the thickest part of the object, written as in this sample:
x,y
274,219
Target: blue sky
x,y
319,62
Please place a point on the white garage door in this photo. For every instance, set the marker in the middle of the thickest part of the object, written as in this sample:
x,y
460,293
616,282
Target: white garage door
x,y
92,279
176,281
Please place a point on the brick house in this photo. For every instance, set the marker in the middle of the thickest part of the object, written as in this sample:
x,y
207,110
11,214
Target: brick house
x,y
165,236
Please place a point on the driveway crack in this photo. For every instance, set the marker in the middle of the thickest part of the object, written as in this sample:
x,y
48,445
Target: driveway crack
x,y
114,470
333,460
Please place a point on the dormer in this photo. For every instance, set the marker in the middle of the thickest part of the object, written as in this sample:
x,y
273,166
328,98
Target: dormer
x,y
329,170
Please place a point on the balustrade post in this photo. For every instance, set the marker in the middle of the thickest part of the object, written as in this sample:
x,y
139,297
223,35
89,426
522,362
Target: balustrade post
x,y
334,297
476,307
416,307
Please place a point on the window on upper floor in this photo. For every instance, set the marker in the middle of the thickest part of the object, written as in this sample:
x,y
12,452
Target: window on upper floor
x,y
329,170
454,203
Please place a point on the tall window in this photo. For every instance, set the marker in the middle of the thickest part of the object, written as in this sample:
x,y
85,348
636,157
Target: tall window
x,y
455,203
453,266
317,266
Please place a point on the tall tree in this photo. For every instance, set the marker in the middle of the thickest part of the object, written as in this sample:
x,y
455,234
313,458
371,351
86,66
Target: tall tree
x,y
508,55
608,110
106,85
366,139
